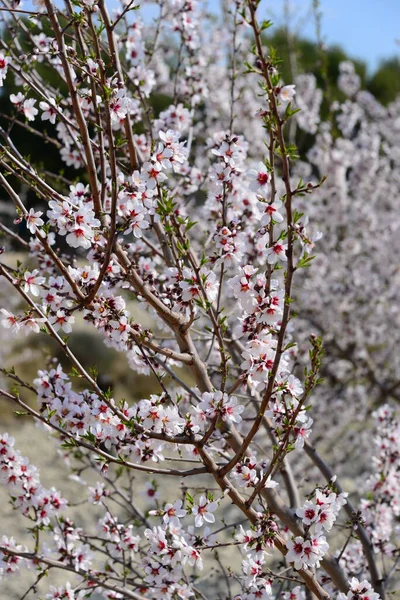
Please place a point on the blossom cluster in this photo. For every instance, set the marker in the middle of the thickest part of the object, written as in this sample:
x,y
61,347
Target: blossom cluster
x,y
22,480
316,516
178,232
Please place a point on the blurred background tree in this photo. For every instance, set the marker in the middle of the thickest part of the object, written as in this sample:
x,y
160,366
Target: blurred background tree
x,y
384,83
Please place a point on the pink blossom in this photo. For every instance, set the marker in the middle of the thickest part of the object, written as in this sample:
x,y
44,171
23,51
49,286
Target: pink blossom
x,y
32,280
259,179
29,110
287,93
33,220
276,252
203,511
9,321
49,110
4,60
174,512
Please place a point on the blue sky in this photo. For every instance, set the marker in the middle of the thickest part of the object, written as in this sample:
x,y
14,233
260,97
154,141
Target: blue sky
x,y
366,29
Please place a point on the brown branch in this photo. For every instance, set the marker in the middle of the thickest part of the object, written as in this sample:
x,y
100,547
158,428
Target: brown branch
x,y
112,43
290,267
15,236
86,141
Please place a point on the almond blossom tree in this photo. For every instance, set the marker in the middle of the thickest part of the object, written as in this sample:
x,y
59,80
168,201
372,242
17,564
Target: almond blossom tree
x,y
204,216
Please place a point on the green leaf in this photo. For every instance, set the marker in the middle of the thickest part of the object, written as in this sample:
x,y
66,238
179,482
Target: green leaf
x,y
266,25
305,262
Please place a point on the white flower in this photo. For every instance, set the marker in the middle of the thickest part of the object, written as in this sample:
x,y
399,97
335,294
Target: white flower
x,y
93,66
306,553
287,93
362,590
33,220
82,557
62,320
259,179
276,252
17,98
29,109
32,281
174,512
231,410
119,106
293,386
31,325
49,110
79,236
271,211
137,215
297,593
151,172
9,321
3,67
246,537
308,513
96,494
66,592
270,483
203,511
